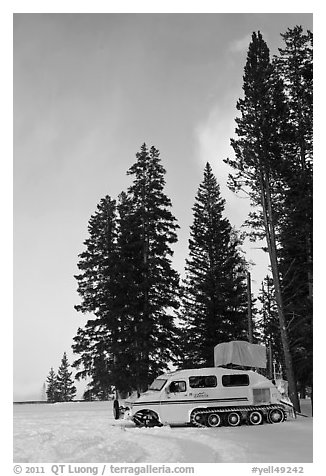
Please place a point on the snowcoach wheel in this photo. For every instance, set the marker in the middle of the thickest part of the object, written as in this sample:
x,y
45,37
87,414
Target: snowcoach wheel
x,y
276,416
255,418
234,419
214,420
116,410
146,418
199,419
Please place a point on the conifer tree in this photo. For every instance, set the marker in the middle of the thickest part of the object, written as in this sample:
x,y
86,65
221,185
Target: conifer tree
x,y
129,278
214,303
52,387
127,282
294,65
66,390
99,343
258,151
146,239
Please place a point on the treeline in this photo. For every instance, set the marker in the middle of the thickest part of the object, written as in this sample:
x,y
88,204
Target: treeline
x,y
142,318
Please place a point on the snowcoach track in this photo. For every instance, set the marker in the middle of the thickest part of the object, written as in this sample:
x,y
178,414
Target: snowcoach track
x,y
202,414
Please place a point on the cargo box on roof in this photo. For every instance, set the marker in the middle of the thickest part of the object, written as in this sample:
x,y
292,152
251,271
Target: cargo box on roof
x,y
240,353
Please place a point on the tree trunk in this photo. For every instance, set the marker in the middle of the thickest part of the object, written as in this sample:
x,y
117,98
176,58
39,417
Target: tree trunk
x,y
270,361
250,332
271,244
303,392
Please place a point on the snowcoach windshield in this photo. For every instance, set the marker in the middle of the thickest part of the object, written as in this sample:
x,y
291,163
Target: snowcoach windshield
x,y
158,384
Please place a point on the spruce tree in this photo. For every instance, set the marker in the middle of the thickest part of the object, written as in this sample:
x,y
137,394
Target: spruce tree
x,y
214,303
146,239
261,131
99,342
128,284
129,278
52,387
65,384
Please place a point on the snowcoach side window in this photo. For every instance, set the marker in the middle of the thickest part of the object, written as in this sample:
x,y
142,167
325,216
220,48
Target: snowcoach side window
x,y
203,381
235,380
178,386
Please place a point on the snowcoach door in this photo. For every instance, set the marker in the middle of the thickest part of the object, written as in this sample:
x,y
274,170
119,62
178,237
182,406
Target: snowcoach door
x,y
174,402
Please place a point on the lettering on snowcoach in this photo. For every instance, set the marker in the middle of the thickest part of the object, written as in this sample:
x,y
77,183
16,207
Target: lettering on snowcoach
x,y
201,395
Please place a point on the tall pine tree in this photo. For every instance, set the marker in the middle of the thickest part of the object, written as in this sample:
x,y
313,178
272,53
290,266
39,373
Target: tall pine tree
x,y
258,153
294,65
214,303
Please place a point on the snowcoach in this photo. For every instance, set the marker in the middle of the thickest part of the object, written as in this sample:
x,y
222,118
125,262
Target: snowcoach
x,y
212,397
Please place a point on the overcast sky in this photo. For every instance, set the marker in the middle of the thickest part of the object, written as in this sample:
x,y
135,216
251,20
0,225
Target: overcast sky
x,y
89,89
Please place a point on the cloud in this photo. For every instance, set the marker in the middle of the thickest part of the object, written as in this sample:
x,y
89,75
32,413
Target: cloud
x,y
240,45
213,146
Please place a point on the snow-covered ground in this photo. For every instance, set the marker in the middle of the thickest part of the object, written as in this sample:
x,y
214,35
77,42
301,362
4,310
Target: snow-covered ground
x,y
79,432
